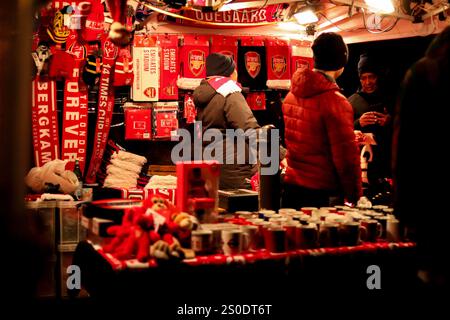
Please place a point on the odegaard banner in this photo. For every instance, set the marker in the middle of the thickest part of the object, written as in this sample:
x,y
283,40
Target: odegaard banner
x,y
270,13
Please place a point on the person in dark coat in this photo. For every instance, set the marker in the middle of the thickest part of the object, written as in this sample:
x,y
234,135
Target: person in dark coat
x,y
420,168
372,115
322,155
221,105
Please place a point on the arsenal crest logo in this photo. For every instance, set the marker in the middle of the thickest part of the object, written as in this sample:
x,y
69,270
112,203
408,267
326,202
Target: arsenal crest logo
x,y
279,65
78,50
150,92
301,64
252,63
196,62
110,50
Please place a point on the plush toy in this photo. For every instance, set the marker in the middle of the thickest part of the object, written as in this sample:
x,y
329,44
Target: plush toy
x,y
151,231
52,175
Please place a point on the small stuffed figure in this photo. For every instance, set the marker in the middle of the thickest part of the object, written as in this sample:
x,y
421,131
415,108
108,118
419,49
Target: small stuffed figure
x,y
158,218
53,173
148,232
41,58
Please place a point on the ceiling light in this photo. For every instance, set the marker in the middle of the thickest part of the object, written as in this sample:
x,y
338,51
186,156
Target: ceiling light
x,y
381,6
306,17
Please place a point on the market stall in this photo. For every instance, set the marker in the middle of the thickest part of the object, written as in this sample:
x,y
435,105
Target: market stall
x,y
112,90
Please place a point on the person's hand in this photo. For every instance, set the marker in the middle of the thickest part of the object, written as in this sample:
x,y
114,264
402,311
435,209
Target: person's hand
x,y
382,118
367,119
359,137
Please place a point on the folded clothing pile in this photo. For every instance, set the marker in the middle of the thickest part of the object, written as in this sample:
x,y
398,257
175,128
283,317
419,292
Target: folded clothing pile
x,y
124,169
162,182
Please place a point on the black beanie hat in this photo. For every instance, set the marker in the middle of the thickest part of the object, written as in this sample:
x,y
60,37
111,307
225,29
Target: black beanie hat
x,y
219,65
367,64
330,52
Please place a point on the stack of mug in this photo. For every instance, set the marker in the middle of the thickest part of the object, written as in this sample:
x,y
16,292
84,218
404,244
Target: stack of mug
x,y
290,229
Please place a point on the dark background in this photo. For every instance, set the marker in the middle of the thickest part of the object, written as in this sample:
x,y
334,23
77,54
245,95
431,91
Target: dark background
x,y
396,55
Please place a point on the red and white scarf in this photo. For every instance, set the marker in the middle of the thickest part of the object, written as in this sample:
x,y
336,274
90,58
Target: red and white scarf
x,y
224,85
104,109
75,115
44,121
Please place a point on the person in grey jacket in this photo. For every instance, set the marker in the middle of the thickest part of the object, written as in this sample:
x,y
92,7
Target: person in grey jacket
x,y
221,105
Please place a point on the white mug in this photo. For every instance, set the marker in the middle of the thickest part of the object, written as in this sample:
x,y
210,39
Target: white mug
x,y
201,241
232,241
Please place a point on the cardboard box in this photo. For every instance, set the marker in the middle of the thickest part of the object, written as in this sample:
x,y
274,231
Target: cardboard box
x,y
138,124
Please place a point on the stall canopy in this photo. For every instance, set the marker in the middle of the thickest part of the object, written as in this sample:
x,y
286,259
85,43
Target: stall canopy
x,y
355,20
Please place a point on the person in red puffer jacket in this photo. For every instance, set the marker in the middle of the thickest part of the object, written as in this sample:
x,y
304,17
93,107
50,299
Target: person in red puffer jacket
x,y
322,155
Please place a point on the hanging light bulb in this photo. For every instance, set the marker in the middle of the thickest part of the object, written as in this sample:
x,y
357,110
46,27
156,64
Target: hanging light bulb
x,y
381,6
306,17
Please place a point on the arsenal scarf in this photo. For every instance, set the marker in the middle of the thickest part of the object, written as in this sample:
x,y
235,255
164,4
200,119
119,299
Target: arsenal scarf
x,y
44,121
225,45
75,112
123,72
302,55
169,67
193,55
278,64
252,67
104,109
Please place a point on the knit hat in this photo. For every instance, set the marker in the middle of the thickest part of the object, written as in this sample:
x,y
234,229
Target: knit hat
x,y
330,52
367,64
219,65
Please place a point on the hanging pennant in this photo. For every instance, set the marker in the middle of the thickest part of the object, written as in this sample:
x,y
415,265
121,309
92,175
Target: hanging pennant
x,y
193,55
302,55
169,66
252,69
146,69
278,64
225,45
